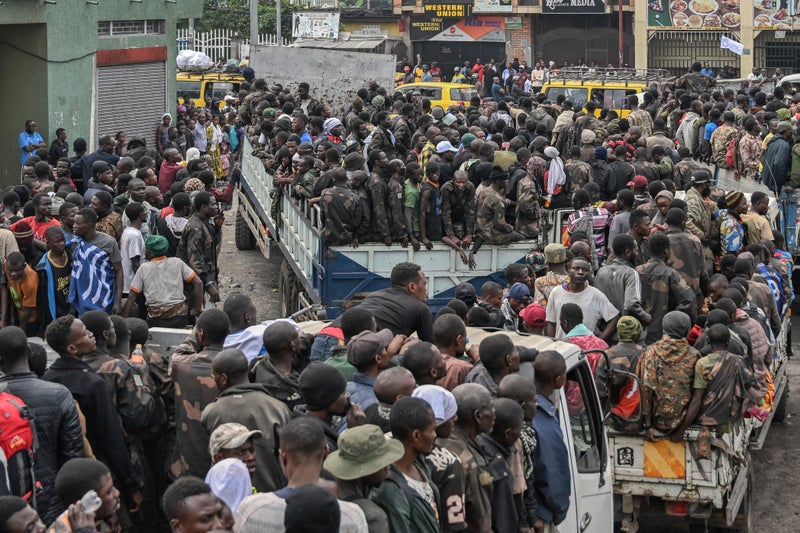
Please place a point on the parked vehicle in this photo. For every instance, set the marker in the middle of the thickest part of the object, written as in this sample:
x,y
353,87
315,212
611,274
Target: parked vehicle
x,y
202,86
440,93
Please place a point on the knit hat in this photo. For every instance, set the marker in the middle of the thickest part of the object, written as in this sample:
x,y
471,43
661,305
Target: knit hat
x,y
498,174
629,329
378,101
483,170
440,399
466,293
676,324
588,136
22,232
311,509
157,245
555,253
193,184
733,199
320,385
268,112
601,153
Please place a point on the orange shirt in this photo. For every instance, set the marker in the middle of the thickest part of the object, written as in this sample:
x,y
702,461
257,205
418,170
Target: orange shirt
x,y
24,291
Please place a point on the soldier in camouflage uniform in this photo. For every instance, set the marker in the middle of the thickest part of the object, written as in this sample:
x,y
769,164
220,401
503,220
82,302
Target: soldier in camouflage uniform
x,y
721,138
694,82
458,209
683,170
529,210
666,371
644,167
194,390
579,172
380,197
699,208
686,253
200,242
475,416
492,226
396,207
342,210
382,138
663,289
358,181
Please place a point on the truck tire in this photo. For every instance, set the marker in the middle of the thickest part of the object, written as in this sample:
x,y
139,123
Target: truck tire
x,y
780,411
288,289
245,240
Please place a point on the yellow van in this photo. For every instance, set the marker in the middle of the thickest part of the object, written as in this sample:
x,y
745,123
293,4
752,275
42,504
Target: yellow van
x,y
441,93
608,88
200,86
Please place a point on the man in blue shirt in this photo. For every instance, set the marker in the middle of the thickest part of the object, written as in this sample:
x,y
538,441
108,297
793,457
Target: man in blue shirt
x,y
552,484
368,352
29,141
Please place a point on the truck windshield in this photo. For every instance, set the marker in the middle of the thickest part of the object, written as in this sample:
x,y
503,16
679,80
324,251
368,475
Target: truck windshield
x,y
191,88
577,95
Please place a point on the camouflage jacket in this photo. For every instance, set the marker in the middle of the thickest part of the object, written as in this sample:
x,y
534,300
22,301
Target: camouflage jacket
x,y
394,208
194,390
384,141
491,215
694,82
403,133
579,173
682,173
666,371
111,224
342,210
306,182
725,378
378,191
641,119
647,169
663,291
529,212
719,144
458,207
698,210
199,247
686,256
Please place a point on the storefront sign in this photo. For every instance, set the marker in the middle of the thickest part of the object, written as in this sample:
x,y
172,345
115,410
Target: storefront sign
x,y
315,25
694,14
492,6
485,29
436,18
572,7
775,15
513,23
369,29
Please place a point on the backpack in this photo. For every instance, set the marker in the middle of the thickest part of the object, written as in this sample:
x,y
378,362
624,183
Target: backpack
x,y
585,225
732,152
17,442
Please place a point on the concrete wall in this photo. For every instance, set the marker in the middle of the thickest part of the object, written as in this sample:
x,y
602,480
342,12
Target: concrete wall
x,y
57,88
323,71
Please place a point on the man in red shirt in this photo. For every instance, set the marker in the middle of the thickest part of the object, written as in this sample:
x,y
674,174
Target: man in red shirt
x,y
42,203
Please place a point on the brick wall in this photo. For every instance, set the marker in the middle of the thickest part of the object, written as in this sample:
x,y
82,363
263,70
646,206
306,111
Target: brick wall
x,y
520,41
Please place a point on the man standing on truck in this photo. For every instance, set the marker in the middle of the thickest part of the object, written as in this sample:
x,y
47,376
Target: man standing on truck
x,y
386,207
401,308
200,242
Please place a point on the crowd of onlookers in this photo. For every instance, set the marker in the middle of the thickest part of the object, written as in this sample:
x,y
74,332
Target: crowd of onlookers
x,y
664,263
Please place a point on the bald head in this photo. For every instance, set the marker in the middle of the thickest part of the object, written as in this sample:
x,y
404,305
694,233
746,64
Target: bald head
x,y
470,397
394,383
581,249
548,369
517,387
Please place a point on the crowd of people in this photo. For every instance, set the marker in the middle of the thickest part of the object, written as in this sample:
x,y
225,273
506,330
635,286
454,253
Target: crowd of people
x,y
387,419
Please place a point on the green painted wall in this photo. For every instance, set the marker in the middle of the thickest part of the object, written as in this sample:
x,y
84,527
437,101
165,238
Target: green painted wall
x,y
56,88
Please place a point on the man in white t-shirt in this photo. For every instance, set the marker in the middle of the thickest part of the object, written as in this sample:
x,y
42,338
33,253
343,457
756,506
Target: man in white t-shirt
x,y
595,305
131,244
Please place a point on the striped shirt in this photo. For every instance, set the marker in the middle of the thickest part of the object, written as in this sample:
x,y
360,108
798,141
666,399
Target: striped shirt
x,y
601,220
93,284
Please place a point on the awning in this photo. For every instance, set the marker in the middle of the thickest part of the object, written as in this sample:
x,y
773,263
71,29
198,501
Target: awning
x,y
366,44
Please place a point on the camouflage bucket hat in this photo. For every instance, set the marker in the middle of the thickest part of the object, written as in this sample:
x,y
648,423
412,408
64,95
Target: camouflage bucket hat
x,y
363,450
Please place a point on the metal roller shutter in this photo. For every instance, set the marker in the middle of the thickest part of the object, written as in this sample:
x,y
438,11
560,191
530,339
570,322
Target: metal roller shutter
x,y
131,98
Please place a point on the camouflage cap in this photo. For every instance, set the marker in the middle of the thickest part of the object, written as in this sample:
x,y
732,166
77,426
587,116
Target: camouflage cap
x,y
230,436
363,450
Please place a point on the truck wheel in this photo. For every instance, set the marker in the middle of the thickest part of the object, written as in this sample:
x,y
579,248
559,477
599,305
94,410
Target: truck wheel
x,y
245,240
288,290
780,411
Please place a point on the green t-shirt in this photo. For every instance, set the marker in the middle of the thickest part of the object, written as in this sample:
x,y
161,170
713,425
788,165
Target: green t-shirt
x,y
339,362
412,193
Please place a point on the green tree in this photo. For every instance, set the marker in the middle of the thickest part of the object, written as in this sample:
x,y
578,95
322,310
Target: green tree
x,y
235,15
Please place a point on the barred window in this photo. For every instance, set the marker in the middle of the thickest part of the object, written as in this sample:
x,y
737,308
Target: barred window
x,y
113,28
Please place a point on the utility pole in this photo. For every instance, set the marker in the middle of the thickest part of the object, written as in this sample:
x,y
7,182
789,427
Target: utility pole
x,y
278,20
253,27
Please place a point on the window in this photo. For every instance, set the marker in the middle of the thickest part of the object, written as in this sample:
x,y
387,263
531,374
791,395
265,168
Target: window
x,y
462,95
191,88
585,419
577,96
432,93
113,28
220,89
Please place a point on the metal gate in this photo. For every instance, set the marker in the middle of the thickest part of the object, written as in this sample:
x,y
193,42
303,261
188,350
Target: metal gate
x,y
771,53
131,98
675,51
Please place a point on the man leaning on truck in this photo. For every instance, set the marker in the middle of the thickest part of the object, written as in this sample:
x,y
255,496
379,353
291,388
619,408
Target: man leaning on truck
x,y
401,308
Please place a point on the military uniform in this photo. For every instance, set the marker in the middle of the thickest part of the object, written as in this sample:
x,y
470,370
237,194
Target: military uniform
x,y
199,247
663,291
397,218
378,191
719,144
492,226
642,120
579,173
666,371
194,390
725,379
694,82
111,224
383,141
529,212
306,182
458,209
686,256
477,480
403,134
342,210
647,169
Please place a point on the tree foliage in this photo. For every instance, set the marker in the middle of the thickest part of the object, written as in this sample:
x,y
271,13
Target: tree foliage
x,y
235,15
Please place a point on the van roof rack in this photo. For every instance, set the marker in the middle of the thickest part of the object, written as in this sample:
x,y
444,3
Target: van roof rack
x,y
610,74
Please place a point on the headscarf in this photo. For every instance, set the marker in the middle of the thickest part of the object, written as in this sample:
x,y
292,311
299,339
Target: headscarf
x,y
557,175
676,324
535,166
192,153
629,329
331,123
783,114
193,184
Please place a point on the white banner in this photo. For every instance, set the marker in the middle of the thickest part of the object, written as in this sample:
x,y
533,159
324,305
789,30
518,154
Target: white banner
x,y
730,44
315,25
